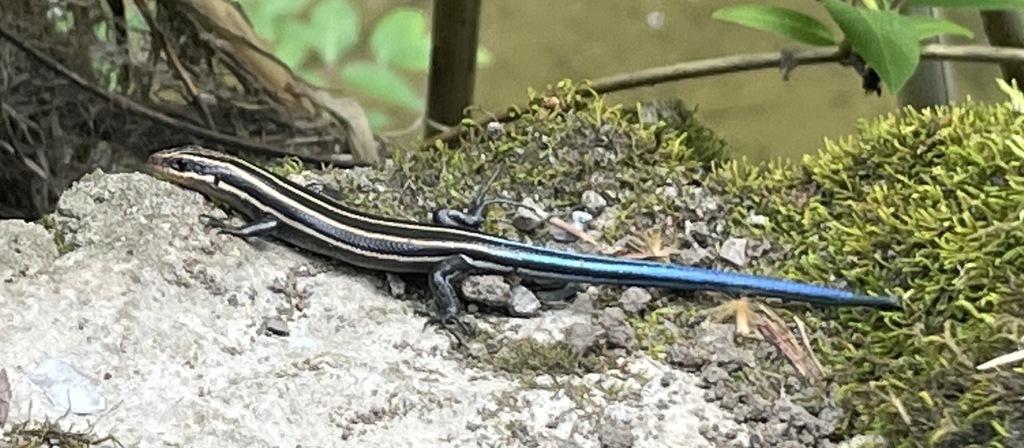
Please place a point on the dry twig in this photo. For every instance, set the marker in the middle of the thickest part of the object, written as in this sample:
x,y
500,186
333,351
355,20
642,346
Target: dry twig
x,y
340,160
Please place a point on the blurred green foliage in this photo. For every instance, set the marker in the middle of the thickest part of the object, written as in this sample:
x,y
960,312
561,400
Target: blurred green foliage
x,y
324,42
889,41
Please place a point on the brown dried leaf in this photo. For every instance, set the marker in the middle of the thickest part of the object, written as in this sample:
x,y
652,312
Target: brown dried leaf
x,y
738,309
775,331
363,146
806,339
232,27
654,245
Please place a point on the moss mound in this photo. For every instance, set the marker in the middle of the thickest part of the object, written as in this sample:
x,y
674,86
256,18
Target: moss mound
x,y
930,206
925,205
567,142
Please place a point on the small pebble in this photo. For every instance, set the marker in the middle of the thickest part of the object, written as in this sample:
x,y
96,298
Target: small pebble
x,y
593,202
734,250
491,290
524,303
668,191
634,299
395,284
581,337
756,248
697,232
619,333
602,221
616,430
580,219
275,326
526,219
495,130
757,220
694,256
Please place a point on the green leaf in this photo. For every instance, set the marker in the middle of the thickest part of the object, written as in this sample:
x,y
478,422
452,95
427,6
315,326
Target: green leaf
x,y
972,4
378,119
333,29
312,76
381,82
931,26
63,22
887,41
291,51
784,22
262,23
135,20
484,57
277,8
265,15
100,31
401,38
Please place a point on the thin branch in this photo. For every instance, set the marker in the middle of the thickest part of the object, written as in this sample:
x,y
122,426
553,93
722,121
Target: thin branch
x,y
715,66
972,53
338,160
757,61
744,63
158,35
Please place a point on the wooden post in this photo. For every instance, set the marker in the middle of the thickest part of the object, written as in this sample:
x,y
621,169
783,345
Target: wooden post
x,y
1004,29
932,84
456,26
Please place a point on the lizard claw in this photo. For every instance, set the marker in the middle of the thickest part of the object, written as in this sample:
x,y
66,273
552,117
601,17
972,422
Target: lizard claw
x,y
453,326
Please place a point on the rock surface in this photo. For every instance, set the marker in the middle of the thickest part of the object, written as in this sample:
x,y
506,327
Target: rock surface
x,y
169,321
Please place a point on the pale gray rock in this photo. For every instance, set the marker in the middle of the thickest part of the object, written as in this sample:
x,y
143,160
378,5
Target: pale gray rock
x,y
165,316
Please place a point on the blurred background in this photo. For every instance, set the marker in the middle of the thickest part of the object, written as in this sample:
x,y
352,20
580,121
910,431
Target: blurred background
x,y
200,75
377,52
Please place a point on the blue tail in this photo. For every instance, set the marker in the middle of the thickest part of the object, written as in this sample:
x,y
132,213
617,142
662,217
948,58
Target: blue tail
x,y
618,271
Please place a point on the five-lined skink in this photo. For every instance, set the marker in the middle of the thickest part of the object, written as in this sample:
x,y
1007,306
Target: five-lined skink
x,y
282,209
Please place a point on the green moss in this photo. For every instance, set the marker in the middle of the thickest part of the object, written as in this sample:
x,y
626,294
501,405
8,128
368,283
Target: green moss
x,y
928,206
670,118
553,156
654,331
285,166
48,223
529,357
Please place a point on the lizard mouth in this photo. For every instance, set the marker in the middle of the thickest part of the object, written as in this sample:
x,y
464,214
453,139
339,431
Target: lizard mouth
x,y
159,164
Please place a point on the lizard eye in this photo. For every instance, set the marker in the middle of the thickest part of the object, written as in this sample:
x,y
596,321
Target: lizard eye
x,y
180,165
